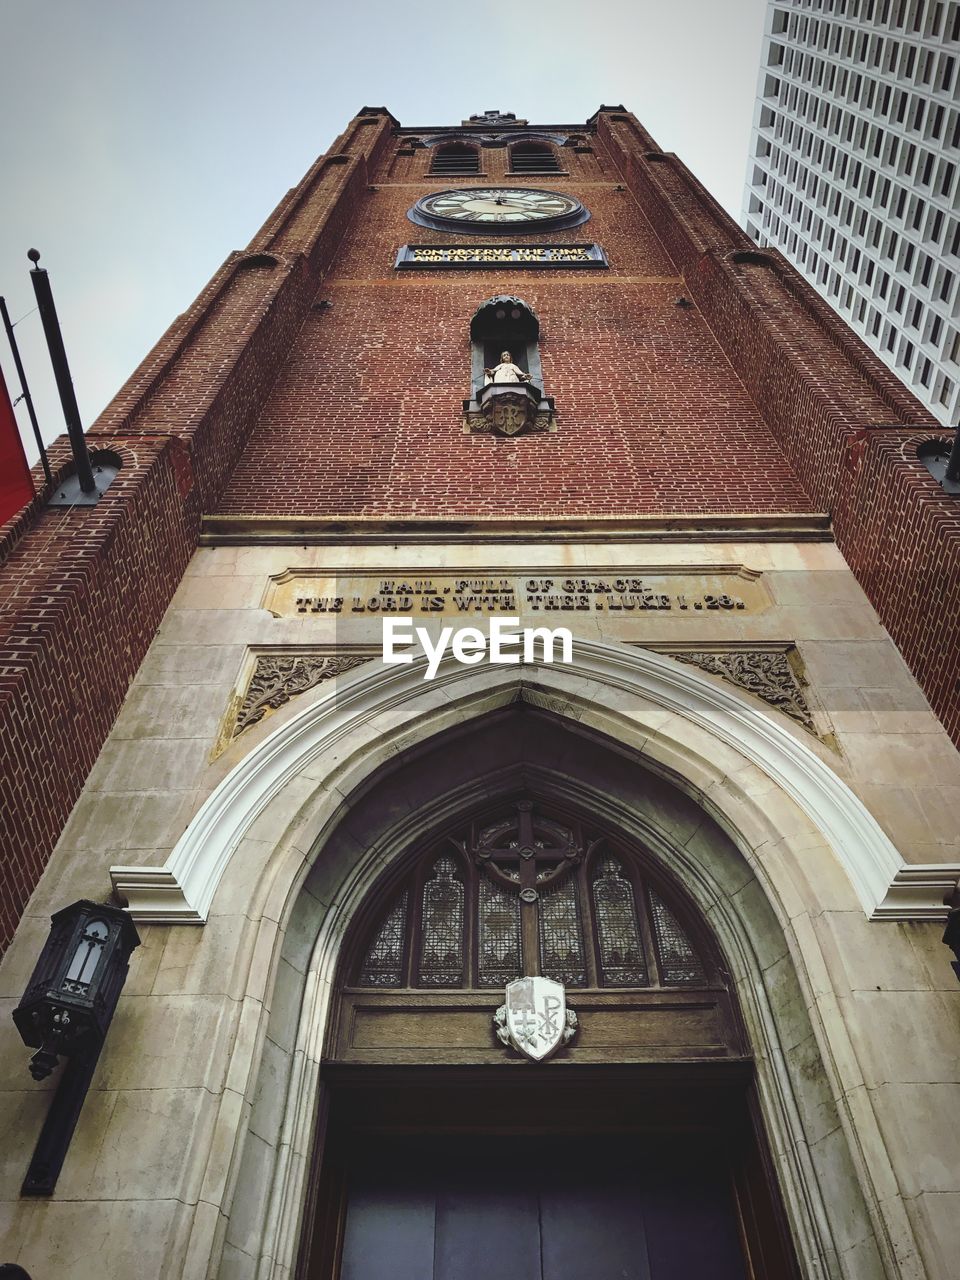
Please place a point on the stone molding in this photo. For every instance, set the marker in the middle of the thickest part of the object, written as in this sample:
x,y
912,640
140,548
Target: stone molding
x,y
770,672
351,530
886,887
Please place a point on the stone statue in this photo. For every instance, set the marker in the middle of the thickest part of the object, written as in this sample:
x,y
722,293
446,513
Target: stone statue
x,y
506,371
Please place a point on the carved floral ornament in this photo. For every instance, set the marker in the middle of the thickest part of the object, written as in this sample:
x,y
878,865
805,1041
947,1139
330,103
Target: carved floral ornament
x,y
277,678
773,676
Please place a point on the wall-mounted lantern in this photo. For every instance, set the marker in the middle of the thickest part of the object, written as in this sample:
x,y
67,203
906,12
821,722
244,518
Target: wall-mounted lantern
x,y
65,1012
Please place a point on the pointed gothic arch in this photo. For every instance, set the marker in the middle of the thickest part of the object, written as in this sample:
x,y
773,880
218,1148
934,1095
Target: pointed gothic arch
x,y
288,835
753,766
427,786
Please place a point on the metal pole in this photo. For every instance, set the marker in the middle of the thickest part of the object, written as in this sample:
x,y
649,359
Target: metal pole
x,y
25,390
54,1141
953,463
61,371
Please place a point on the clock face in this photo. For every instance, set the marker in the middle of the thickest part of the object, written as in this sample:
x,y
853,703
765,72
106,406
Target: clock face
x,y
497,209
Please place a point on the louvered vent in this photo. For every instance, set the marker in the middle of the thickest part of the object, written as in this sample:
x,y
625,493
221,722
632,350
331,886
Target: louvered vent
x,y
534,159
456,162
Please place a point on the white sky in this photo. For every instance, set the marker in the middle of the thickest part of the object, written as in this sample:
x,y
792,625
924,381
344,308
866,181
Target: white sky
x,y
143,140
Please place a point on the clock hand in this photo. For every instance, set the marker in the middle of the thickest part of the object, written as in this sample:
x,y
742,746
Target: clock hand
x,y
491,206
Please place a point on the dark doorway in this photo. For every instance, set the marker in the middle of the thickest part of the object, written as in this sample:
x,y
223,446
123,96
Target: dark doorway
x,y
540,1208
550,1172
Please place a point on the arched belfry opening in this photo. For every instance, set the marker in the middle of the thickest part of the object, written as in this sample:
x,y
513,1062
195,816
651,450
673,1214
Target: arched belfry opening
x,y
456,159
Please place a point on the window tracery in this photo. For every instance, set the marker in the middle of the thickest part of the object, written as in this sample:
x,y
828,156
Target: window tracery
x,y
561,936
383,963
528,891
499,959
622,961
441,934
678,961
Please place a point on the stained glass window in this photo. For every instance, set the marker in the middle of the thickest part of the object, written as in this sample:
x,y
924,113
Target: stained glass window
x,y
523,892
621,951
383,964
561,936
679,963
499,944
441,939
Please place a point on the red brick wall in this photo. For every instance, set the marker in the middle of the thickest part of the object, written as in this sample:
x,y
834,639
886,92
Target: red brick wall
x,y
366,416
83,590
81,595
900,535
835,410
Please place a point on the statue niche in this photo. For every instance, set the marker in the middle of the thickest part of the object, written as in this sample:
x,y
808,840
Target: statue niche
x,y
507,397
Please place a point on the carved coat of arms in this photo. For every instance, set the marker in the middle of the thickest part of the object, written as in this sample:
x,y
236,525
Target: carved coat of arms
x,y
535,1019
509,416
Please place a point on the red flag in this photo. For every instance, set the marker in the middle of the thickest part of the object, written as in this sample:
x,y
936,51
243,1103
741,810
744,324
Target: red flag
x,y
16,484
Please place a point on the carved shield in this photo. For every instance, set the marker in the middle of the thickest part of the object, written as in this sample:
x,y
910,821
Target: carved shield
x,y
508,418
535,1018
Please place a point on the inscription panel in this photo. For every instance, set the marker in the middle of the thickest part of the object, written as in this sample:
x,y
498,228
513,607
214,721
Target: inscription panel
x,y
420,257
618,592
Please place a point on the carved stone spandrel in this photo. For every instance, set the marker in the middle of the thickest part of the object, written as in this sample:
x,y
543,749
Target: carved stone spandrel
x,y
772,676
276,678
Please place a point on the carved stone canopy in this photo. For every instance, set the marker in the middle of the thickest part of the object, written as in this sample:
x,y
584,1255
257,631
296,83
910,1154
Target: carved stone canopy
x,y
502,310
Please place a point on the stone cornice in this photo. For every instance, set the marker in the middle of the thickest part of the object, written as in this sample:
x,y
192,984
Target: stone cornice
x,y
346,530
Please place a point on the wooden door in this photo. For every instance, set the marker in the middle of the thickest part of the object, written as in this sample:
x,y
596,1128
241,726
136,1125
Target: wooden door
x,y
540,1208
546,1173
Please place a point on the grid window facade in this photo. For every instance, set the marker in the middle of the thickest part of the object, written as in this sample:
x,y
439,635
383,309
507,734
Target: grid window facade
x,y
854,173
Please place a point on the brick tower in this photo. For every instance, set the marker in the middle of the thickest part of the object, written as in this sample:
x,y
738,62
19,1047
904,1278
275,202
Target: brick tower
x,y
687,461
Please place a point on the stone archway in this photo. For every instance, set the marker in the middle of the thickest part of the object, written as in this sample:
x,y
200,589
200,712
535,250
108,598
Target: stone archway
x,y
776,839
372,825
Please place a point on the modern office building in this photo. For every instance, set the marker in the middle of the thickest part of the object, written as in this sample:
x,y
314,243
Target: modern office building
x,y
853,174
627,963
